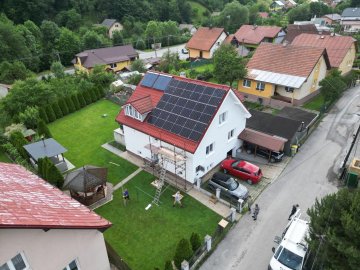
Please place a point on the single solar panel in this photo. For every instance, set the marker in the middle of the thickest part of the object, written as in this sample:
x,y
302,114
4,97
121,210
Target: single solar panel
x,y
149,79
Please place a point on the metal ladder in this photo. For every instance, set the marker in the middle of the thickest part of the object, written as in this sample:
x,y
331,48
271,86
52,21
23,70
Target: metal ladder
x,y
160,183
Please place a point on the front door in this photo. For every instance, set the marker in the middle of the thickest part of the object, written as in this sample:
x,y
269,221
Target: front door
x,y
201,54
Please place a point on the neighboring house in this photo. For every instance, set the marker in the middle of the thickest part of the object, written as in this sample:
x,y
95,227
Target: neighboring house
x,y
289,129
195,122
341,50
251,36
113,58
263,15
241,50
277,5
112,25
4,89
187,27
205,41
319,23
350,19
293,30
331,19
283,74
44,228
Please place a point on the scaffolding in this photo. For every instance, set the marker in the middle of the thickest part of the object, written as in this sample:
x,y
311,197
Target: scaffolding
x,y
161,157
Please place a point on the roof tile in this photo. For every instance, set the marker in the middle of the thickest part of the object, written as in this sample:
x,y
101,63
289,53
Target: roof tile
x,y
27,201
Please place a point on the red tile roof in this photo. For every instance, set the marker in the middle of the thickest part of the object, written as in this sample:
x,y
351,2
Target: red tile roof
x,y
251,34
164,135
286,59
27,201
293,30
263,15
142,104
229,38
204,38
336,46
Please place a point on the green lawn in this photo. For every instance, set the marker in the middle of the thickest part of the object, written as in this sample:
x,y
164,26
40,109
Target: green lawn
x,y
198,12
203,68
4,158
315,104
82,133
146,239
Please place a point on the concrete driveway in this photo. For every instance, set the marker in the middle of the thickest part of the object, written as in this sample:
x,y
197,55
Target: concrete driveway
x,y
311,174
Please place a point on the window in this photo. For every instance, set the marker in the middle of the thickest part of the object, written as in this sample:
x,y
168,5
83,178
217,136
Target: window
x,y
113,65
130,111
260,86
72,266
289,89
222,117
209,149
231,134
199,169
16,263
246,83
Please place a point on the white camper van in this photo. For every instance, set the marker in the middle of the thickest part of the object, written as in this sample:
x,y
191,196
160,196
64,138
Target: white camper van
x,y
291,252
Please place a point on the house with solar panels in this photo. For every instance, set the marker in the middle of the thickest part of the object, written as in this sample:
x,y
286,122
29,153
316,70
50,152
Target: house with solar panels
x,y
193,123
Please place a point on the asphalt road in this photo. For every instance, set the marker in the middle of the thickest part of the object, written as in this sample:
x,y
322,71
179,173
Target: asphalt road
x,y
160,52
311,174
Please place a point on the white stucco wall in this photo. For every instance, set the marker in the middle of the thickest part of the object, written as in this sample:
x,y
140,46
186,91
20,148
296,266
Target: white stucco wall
x,y
217,44
218,134
307,87
55,249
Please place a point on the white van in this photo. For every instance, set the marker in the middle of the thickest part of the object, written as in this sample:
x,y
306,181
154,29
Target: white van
x,y
291,252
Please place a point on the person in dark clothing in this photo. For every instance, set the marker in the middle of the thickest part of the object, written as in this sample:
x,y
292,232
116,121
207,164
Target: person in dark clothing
x,y
293,210
126,195
256,211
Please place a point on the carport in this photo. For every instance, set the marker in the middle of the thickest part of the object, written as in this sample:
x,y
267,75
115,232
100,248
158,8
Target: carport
x,y
257,138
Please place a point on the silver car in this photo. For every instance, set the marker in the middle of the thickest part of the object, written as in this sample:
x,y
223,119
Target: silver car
x,y
228,185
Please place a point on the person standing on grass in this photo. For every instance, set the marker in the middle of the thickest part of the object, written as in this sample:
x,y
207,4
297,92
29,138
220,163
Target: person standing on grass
x,y
256,211
177,199
126,195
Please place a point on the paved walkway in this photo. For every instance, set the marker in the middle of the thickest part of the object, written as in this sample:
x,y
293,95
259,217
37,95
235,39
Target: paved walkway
x,y
127,179
112,149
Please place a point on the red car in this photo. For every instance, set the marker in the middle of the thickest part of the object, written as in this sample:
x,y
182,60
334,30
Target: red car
x,y
242,169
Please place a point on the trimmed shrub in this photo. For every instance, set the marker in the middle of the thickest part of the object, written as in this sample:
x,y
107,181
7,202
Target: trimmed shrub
x,y
168,266
48,171
17,139
75,100
93,95
87,97
43,129
63,106
70,104
57,110
50,113
81,99
183,252
43,115
195,241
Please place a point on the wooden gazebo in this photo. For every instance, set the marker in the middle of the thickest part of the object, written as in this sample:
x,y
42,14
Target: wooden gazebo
x,y
87,184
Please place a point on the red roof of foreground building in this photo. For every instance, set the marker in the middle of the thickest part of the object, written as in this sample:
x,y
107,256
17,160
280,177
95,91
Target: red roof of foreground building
x,y
286,59
27,201
204,38
154,131
251,34
336,46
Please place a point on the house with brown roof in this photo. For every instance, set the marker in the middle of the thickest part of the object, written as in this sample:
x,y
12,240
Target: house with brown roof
x,y
205,41
281,75
112,58
332,18
341,50
112,25
294,30
43,228
251,36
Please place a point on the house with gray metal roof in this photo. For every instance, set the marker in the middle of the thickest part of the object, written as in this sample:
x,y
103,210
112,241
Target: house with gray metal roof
x,y
350,19
112,25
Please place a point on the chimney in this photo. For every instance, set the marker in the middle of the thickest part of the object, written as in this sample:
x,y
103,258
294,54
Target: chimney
x,y
254,26
322,37
43,140
285,43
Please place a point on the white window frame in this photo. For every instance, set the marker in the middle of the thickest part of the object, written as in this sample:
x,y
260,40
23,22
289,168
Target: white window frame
x,y
289,89
260,86
209,149
247,83
130,111
11,266
113,65
67,267
231,134
222,118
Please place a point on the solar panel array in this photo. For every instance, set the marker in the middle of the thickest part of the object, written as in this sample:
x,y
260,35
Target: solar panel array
x,y
157,81
186,109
